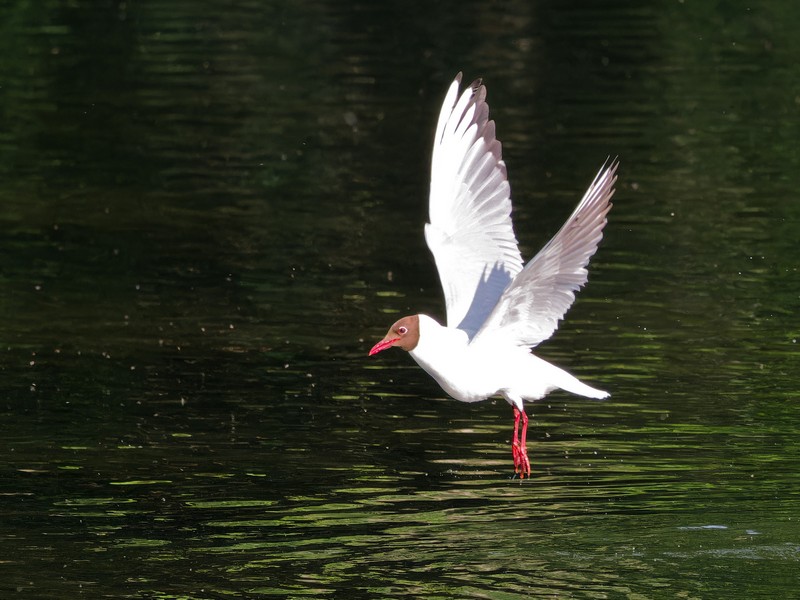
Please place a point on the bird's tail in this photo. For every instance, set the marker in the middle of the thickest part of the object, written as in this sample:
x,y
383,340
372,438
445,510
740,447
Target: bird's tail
x,y
572,384
585,390
555,377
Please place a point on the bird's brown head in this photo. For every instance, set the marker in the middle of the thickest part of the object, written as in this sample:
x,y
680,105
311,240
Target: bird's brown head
x,y
403,334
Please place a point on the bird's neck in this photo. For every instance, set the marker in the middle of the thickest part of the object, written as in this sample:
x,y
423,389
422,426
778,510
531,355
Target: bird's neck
x,y
437,344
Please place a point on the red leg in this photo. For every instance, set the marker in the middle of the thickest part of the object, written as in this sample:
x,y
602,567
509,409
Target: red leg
x,y
526,463
519,449
515,447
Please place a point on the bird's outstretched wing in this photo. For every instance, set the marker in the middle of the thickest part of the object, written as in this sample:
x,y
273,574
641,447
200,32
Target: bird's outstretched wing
x,y
531,306
470,232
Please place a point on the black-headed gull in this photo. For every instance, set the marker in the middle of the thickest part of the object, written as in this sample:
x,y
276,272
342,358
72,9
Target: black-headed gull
x,y
497,310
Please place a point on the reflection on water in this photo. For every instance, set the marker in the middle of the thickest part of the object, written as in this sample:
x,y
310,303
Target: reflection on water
x,y
312,525
245,492
211,210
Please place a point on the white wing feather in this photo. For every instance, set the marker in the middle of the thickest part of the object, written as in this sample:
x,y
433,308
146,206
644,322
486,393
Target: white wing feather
x,y
531,306
470,234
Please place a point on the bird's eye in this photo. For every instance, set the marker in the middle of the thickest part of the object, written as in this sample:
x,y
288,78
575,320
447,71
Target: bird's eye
x,y
402,330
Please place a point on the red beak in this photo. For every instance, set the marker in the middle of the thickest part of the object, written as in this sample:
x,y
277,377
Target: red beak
x,y
382,345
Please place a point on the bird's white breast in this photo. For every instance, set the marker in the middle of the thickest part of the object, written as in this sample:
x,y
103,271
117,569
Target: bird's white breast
x,y
468,373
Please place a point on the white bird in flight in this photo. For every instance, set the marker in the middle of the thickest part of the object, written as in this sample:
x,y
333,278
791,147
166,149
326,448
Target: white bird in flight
x,y
497,310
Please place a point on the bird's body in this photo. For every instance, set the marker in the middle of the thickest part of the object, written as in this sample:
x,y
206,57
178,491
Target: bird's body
x,y
473,372
497,310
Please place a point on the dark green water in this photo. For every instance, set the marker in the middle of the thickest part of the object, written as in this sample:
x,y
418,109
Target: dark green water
x,y
210,213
